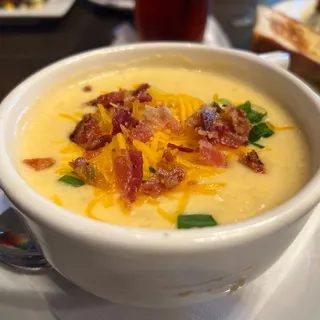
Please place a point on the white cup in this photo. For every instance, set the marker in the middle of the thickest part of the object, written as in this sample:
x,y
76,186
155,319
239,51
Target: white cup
x,y
160,268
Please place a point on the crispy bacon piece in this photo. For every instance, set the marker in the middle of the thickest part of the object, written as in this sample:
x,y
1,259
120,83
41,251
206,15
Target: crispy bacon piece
x,y
252,161
207,118
202,118
141,94
159,118
134,122
162,180
88,172
141,132
116,97
122,117
129,172
180,148
87,134
122,97
39,163
239,119
221,132
211,156
229,127
84,170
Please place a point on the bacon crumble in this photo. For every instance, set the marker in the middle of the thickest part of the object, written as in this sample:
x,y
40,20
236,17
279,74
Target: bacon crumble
x,y
211,126
39,164
211,156
122,97
229,127
107,99
166,177
252,161
163,180
88,135
141,132
180,148
128,170
159,118
120,117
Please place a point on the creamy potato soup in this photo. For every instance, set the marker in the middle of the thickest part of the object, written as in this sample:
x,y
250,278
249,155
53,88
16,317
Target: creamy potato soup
x,y
161,148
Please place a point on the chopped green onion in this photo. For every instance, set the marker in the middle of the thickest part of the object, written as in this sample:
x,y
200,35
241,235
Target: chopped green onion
x,y
253,115
260,130
73,181
258,145
152,170
224,101
188,221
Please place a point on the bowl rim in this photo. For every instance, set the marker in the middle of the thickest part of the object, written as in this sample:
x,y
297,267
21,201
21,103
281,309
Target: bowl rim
x,y
45,213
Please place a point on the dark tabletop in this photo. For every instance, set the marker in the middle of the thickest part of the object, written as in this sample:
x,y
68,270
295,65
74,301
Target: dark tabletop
x,y
28,45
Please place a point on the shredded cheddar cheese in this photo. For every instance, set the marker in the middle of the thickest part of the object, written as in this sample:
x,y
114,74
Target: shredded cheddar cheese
x,y
56,199
71,148
181,106
105,117
68,117
121,141
146,151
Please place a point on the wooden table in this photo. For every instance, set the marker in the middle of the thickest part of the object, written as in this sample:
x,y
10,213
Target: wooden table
x,y
26,46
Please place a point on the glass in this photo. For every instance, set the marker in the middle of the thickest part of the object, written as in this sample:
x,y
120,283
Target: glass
x,y
171,20
236,17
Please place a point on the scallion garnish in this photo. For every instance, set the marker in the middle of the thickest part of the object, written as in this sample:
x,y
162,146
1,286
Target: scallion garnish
x,y
258,145
253,115
72,181
260,130
188,221
224,101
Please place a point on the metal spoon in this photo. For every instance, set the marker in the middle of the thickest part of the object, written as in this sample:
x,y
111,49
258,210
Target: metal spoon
x,y
18,249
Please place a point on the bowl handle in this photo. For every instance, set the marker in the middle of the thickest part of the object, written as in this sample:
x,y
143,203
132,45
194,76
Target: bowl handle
x,y
280,58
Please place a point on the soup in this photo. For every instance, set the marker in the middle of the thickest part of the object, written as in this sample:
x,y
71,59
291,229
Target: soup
x,y
161,148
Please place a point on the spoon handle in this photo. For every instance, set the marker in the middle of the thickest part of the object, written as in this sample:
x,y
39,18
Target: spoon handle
x,y
18,248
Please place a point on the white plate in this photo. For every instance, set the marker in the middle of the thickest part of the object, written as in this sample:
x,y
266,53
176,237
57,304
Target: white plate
x,y
121,4
51,9
300,10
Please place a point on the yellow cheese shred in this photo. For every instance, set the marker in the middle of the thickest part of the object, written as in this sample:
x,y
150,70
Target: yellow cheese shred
x,y
182,205
56,199
71,148
147,151
68,117
121,141
105,117
284,128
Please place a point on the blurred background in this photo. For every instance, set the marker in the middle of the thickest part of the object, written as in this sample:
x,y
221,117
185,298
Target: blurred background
x,y
34,33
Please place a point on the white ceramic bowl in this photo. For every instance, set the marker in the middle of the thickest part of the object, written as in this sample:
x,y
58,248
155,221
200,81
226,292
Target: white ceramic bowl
x,y
162,267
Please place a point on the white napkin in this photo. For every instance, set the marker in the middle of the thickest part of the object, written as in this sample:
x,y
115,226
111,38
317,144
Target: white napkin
x,y
289,290
213,34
